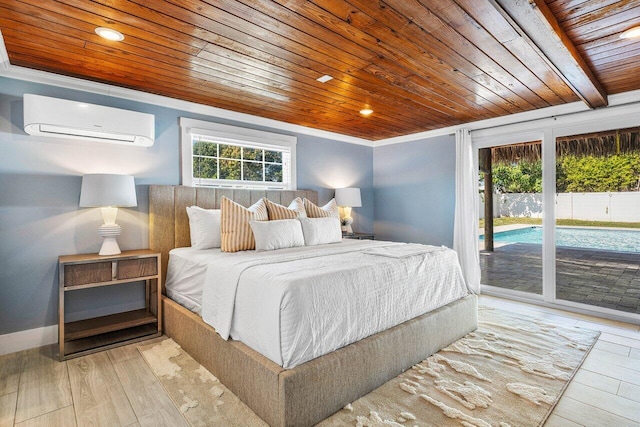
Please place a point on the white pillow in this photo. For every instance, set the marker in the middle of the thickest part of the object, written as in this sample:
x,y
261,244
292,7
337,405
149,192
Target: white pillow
x,y
204,226
320,231
277,234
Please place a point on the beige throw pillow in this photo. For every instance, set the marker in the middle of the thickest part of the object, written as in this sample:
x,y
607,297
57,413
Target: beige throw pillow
x,y
277,212
330,210
234,223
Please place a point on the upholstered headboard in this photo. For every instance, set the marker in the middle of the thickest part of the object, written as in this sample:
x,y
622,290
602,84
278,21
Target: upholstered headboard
x,y
168,220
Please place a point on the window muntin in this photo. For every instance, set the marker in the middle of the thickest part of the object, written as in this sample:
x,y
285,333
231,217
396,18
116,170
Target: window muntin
x,y
237,164
228,156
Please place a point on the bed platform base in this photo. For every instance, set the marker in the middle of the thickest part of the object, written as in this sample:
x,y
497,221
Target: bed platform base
x,y
308,393
316,389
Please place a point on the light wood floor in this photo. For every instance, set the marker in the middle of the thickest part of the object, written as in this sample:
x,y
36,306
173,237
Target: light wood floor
x,y
117,388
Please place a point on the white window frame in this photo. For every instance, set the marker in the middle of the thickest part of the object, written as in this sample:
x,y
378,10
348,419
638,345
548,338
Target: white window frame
x,y
234,135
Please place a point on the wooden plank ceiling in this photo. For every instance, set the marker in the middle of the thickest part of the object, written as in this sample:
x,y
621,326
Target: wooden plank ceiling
x,y
594,28
419,64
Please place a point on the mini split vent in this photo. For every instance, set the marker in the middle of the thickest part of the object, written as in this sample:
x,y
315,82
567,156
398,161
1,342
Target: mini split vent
x,y
61,118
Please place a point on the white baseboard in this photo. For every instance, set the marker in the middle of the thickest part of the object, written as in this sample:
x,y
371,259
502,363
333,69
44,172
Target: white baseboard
x,y
24,340
32,338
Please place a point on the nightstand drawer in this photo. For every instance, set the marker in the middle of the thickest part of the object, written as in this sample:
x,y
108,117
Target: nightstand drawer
x,y
82,274
108,271
132,268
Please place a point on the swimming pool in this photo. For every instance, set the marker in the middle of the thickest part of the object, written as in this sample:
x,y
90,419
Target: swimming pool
x,y
590,238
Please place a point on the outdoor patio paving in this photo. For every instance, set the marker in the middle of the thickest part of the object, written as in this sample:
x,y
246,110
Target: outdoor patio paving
x,y
596,277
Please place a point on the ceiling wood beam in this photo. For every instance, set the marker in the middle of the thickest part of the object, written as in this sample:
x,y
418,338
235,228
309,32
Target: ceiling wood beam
x,y
535,22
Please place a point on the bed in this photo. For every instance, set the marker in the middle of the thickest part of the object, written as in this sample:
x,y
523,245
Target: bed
x,y
314,389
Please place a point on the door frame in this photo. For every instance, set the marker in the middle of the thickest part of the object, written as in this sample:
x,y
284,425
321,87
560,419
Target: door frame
x,y
547,130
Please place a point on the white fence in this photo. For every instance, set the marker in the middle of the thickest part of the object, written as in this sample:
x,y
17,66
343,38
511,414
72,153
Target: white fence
x,y
614,207
496,206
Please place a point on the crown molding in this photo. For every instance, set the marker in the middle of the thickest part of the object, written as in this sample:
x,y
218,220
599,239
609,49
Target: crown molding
x,y
36,76
618,100
623,108
526,116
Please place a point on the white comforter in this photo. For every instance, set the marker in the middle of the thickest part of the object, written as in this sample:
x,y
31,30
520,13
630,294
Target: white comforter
x,y
294,305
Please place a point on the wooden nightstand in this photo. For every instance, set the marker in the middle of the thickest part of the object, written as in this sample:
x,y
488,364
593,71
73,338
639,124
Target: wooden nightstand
x,y
359,236
101,333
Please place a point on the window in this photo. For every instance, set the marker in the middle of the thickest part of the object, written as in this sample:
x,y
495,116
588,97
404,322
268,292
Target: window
x,y
229,156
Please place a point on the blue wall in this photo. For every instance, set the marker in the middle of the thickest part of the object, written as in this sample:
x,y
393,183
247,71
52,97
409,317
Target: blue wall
x,y
327,165
414,196
40,182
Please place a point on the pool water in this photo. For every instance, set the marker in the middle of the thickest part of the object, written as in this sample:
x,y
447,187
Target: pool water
x,y
590,238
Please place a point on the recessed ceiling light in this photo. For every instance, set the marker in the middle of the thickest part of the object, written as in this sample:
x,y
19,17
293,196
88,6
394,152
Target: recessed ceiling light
x,y
109,34
324,78
366,112
631,33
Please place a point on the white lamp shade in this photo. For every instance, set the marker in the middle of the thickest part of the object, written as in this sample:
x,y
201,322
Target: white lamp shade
x,y
100,190
348,197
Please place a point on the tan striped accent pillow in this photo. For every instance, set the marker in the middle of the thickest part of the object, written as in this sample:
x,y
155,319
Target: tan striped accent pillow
x,y
295,210
236,232
330,210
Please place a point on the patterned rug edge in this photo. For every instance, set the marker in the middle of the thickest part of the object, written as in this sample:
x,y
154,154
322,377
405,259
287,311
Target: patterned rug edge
x,y
544,419
162,383
575,371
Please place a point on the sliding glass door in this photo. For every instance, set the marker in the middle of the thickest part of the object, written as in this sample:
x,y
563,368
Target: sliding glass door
x,y
560,217
597,227
510,184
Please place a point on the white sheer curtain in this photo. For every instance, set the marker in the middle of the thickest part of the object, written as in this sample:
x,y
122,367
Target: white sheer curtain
x,y
465,229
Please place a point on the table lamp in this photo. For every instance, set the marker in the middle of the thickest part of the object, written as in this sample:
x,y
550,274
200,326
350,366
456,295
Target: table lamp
x,y
108,192
348,198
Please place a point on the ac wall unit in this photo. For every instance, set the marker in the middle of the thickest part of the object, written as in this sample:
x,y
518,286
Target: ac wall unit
x,y
61,118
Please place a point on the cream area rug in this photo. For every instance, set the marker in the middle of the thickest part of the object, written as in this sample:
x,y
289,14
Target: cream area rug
x,y
510,372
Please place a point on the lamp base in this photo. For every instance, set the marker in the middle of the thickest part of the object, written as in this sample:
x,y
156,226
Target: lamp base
x,y
110,245
346,224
